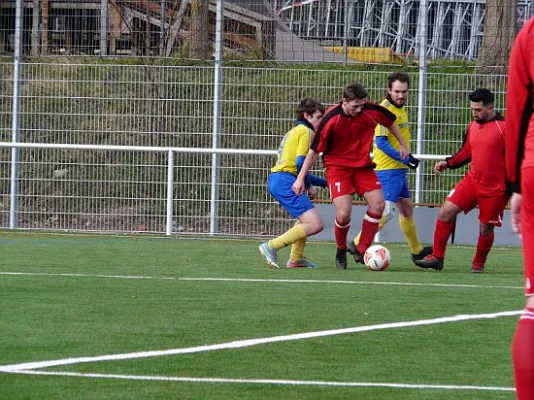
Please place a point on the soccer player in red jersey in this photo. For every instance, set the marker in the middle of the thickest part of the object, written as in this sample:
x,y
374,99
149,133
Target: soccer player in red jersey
x,y
483,185
520,172
345,137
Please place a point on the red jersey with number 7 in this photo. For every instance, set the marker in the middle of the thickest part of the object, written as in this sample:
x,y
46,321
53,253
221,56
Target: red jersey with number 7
x,y
347,141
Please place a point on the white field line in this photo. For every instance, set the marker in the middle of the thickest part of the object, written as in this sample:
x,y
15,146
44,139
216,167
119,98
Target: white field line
x,y
250,342
252,280
272,381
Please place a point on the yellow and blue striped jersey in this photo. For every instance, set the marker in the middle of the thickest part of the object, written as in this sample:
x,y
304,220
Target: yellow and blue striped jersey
x,y
295,143
381,159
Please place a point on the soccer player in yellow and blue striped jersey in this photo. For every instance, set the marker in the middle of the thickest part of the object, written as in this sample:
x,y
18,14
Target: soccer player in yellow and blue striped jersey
x,y
391,169
291,154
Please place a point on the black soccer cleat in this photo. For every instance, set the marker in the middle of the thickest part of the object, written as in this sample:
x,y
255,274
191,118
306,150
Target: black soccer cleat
x,y
358,257
425,252
430,262
341,259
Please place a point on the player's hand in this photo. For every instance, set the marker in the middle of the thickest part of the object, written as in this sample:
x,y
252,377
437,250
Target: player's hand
x,y
412,162
404,152
312,193
439,167
298,187
515,206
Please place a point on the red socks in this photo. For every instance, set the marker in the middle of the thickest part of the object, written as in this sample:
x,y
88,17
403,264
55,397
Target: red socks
x,y
523,356
483,248
369,229
340,233
441,236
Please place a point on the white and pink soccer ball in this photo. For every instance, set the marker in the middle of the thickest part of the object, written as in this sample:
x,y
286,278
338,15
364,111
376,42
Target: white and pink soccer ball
x,y
377,258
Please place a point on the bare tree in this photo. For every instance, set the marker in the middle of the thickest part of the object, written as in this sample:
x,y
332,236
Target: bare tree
x,y
500,28
175,26
199,47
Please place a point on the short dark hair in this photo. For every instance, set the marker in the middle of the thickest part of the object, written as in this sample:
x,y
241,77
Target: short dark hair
x,y
482,95
308,106
398,76
354,91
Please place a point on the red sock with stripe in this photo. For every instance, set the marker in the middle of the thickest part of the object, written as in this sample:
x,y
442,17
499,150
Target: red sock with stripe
x,y
483,248
441,236
369,229
340,233
523,356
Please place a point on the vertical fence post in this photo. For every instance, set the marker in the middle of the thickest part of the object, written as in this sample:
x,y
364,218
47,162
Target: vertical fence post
x,y
162,30
15,125
170,192
217,112
104,27
346,31
421,106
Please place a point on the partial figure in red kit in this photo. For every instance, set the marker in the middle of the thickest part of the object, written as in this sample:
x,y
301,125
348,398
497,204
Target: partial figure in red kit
x,y
520,173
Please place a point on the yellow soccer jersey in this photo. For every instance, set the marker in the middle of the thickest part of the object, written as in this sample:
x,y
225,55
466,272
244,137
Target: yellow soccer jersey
x,y
381,159
295,143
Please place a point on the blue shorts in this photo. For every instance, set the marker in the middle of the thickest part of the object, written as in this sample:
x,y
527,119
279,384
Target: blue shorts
x,y
394,184
279,186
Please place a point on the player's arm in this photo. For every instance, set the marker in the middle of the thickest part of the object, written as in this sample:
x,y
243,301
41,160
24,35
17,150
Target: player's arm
x,y
462,156
383,144
457,160
519,100
316,147
302,150
387,119
403,150
299,186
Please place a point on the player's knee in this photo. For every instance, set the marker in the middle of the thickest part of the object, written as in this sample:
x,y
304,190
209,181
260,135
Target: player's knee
x,y
486,230
316,227
343,218
446,214
377,207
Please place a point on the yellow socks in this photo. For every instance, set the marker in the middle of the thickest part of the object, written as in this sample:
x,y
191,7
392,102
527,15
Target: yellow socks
x,y
293,235
297,250
408,228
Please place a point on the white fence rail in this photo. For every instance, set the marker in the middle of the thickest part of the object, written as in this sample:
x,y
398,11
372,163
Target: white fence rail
x,y
120,194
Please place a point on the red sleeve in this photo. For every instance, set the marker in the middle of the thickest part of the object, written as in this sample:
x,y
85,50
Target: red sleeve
x,y
519,100
462,156
321,140
379,114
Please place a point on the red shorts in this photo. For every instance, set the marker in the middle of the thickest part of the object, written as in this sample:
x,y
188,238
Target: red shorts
x,y
342,180
527,227
465,196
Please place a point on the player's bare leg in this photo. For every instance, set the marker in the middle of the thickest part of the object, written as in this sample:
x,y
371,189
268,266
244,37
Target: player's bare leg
x,y
444,225
343,206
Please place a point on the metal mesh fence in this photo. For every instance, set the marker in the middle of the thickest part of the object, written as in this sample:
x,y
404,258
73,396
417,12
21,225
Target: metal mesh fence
x,y
277,30
171,106
141,73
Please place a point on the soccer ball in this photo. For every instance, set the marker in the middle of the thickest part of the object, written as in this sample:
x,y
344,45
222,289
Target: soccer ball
x,y
377,258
